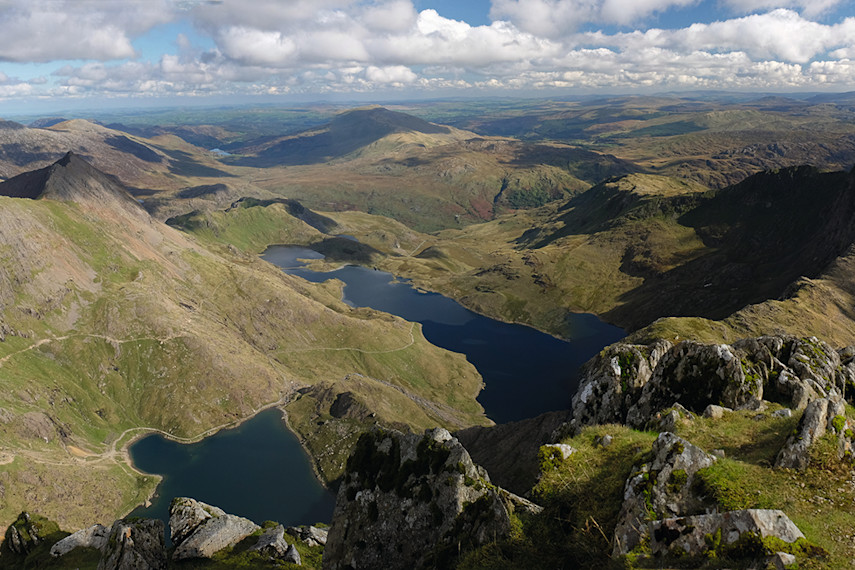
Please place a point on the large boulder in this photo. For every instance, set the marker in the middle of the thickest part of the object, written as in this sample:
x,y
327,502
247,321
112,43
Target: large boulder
x,y
95,536
134,545
612,381
660,488
410,501
734,534
199,530
817,419
272,544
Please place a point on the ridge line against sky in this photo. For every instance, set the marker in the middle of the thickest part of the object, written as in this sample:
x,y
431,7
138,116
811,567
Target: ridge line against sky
x,y
95,50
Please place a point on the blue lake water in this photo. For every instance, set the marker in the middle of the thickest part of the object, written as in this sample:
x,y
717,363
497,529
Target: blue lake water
x,y
526,372
259,470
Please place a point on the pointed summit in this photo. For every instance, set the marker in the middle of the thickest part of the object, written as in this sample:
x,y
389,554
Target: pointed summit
x,y
72,179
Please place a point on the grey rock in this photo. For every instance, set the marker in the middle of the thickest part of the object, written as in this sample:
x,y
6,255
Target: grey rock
x,y
611,382
406,498
783,413
272,543
93,537
687,535
310,535
292,556
812,359
202,530
564,449
633,384
696,375
781,560
816,420
660,489
134,545
606,440
185,516
715,412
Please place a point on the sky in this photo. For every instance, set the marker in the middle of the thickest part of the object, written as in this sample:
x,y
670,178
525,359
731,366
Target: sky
x,y
99,52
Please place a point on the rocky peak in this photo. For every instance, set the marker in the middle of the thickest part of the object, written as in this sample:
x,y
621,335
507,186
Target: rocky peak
x,y
72,179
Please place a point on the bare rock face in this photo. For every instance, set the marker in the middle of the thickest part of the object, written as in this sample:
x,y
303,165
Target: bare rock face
x,y
134,545
817,420
411,501
631,384
734,534
200,530
93,537
660,489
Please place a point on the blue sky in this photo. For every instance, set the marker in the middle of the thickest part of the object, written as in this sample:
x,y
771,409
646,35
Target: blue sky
x,y
106,52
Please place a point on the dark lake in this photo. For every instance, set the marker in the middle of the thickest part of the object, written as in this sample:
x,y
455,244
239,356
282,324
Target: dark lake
x,y
526,372
259,470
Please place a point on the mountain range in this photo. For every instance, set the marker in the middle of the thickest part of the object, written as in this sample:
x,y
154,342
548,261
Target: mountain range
x,y
132,297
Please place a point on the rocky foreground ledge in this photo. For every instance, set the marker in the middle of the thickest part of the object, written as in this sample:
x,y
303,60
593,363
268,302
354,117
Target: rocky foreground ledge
x,y
641,483
197,530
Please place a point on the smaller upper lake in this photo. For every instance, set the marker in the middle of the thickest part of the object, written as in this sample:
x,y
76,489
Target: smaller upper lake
x,y
256,470
526,372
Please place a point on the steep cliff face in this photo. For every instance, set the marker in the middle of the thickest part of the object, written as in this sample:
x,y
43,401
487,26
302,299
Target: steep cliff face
x,y
414,501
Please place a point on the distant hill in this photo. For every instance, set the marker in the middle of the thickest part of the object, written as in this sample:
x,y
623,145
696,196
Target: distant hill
x,y
346,133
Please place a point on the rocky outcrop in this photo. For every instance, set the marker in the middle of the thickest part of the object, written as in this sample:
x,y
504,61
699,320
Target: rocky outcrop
x,y
134,545
199,530
27,532
661,488
93,537
309,535
818,418
272,544
411,501
631,384
731,535
612,382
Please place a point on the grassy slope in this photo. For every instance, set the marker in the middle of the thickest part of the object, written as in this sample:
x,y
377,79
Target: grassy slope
x,y
118,324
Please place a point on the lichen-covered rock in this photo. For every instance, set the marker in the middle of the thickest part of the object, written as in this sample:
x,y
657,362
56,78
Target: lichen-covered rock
x,y
310,535
272,543
134,545
612,381
561,448
733,535
185,516
410,501
816,420
28,531
200,530
631,384
714,412
660,488
696,375
93,537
